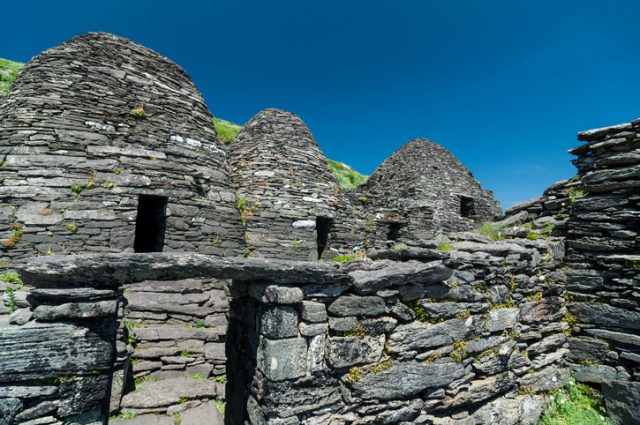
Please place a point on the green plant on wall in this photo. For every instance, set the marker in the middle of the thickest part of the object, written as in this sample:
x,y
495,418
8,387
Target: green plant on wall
x,y
575,404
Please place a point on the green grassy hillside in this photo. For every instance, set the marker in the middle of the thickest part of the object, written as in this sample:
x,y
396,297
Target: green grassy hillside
x,y
348,178
8,73
227,131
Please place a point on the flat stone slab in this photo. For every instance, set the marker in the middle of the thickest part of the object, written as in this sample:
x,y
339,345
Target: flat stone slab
x,y
205,414
40,351
144,420
406,379
109,270
167,392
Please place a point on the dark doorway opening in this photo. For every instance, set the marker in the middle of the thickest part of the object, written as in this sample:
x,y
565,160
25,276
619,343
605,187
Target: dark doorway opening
x,y
467,207
323,227
151,224
393,233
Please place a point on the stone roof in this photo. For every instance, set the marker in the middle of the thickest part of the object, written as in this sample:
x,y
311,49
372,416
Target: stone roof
x,y
75,158
423,174
284,183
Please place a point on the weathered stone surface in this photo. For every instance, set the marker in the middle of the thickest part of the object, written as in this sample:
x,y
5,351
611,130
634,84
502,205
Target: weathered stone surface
x,y
71,294
598,373
546,379
277,322
624,338
206,413
502,318
313,311
622,400
282,359
406,379
175,333
349,351
352,305
167,392
422,336
144,420
313,329
115,269
50,350
386,273
214,351
40,409
482,390
20,316
275,294
605,315
85,310
9,409
550,308
82,395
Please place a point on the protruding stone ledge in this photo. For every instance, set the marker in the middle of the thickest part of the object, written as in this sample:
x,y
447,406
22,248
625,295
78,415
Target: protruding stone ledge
x,y
109,270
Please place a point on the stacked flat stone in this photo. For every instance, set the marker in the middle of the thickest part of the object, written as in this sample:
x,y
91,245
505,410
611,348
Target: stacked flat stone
x,y
283,184
437,338
74,158
428,190
59,363
603,246
171,331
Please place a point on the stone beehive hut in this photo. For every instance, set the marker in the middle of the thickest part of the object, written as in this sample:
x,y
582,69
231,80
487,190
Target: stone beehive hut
x,y
423,187
106,145
285,191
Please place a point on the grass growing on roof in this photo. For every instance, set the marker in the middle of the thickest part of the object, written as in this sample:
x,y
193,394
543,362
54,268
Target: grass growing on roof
x,y
347,177
226,130
8,73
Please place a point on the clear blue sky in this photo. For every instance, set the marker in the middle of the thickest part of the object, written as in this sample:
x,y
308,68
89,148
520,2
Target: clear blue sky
x,y
505,85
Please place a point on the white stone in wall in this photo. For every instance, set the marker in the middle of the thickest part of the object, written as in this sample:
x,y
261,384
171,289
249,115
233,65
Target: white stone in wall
x,y
310,199
264,173
300,224
98,126
191,142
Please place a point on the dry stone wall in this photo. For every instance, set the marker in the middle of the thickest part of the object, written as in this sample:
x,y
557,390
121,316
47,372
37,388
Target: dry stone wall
x,y
427,337
466,338
64,360
603,245
91,126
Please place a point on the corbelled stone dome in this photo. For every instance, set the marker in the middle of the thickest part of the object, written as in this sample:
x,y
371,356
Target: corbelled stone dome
x,y
284,186
426,183
99,133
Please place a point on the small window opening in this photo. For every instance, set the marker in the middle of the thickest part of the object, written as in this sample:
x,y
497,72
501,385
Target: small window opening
x,y
151,224
323,227
467,208
393,234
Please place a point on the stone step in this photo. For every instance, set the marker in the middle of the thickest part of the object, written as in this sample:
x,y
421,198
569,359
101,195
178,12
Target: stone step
x,y
167,392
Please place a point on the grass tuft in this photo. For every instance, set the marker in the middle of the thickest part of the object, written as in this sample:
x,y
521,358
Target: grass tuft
x,y
576,404
347,177
226,130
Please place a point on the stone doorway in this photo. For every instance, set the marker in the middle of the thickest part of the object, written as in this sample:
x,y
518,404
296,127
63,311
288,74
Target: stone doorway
x,y
151,223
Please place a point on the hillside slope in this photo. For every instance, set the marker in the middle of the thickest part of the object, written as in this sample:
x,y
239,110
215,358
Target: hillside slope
x,y
8,73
